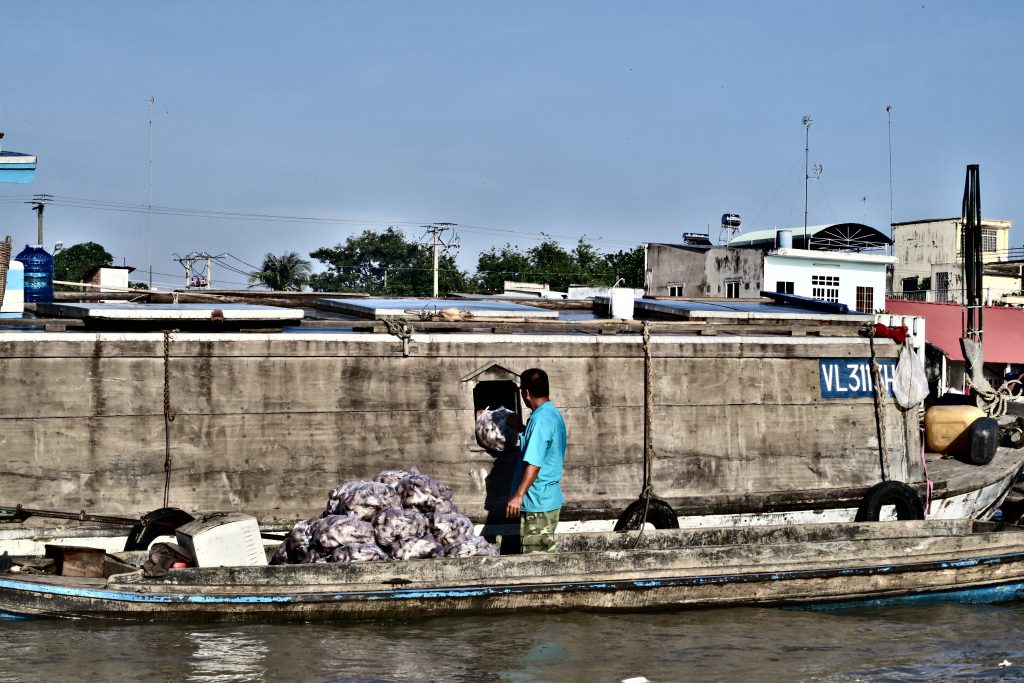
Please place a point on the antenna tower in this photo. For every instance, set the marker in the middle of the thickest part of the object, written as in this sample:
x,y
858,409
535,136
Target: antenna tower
x,y
808,172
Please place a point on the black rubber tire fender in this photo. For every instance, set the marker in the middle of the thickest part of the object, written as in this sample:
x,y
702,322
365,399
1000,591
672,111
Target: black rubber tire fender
x,y
660,514
156,523
908,503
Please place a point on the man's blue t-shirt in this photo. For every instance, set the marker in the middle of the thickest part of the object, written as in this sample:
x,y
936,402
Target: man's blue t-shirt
x,y
543,445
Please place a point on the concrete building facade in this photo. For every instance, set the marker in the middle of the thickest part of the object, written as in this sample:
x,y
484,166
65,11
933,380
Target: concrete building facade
x,y
930,259
855,279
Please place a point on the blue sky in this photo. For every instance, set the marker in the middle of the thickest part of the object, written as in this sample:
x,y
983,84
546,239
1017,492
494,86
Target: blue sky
x,y
627,122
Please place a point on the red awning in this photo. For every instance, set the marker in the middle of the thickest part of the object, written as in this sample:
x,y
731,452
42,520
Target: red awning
x,y
1003,328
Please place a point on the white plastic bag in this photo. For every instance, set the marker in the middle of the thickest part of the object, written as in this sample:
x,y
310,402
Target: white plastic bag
x,y
493,431
910,384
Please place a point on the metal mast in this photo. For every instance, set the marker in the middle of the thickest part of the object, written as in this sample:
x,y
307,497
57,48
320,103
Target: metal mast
x,y
970,227
807,176
149,206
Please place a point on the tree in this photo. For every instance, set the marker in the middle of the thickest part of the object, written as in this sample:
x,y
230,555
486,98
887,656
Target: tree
x,y
385,263
75,262
495,267
629,265
287,272
551,264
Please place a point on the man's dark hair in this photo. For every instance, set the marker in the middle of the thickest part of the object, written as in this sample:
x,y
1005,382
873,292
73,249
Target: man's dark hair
x,y
535,381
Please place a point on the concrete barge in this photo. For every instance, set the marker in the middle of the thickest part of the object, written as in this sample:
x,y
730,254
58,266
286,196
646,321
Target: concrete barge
x,y
752,420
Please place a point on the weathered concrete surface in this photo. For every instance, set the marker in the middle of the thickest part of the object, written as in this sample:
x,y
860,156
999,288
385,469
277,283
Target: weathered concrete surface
x,y
267,423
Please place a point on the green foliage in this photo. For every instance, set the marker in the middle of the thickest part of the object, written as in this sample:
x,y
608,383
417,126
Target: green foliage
x,y
549,263
388,264
385,263
287,272
72,264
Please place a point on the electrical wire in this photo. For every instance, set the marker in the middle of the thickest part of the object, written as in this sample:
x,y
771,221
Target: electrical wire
x,y
125,207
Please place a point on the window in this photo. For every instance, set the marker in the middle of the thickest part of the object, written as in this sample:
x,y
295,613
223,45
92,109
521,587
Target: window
x,y
732,289
865,299
676,289
825,287
494,394
942,287
988,240
784,287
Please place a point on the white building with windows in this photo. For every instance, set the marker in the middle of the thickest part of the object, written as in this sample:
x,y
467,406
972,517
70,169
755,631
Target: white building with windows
x,y
830,264
857,280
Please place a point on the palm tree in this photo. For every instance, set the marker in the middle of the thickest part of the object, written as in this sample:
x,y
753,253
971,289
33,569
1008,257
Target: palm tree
x,y
287,272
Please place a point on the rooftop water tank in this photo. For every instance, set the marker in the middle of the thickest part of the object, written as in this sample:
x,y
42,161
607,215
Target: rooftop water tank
x,y
731,220
784,239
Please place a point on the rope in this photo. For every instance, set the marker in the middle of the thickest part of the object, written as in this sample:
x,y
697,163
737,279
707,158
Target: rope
x,y
648,490
997,400
5,262
648,407
929,486
400,329
168,417
876,378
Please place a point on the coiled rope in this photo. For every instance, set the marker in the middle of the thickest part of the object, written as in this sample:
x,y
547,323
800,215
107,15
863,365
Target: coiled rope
x,y
997,400
401,329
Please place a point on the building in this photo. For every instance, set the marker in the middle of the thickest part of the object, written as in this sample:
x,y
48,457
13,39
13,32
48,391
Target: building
x,y
827,265
108,278
930,260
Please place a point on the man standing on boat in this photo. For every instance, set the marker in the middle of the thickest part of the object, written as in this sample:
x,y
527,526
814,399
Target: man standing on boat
x,y
536,496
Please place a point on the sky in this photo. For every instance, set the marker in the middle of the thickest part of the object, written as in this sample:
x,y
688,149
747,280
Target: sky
x,y
290,126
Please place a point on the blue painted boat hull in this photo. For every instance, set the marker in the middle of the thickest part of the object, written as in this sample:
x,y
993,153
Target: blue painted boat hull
x,y
806,566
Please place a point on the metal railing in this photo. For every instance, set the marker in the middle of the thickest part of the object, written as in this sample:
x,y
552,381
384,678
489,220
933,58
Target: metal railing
x,y
953,296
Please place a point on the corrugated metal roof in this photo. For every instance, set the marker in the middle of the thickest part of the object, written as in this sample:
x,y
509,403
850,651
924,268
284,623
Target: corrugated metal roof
x,y
833,236
1002,340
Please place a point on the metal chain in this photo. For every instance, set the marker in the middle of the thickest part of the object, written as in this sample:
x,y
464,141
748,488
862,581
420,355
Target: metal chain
x,y
168,416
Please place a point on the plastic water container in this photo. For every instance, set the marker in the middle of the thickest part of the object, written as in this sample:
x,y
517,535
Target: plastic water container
x,y
38,273
14,294
983,441
622,300
946,428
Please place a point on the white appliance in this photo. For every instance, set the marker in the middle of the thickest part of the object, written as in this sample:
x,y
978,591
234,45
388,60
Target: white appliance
x,y
224,539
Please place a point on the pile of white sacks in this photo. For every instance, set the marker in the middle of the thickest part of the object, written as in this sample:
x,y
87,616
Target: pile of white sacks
x,y
401,515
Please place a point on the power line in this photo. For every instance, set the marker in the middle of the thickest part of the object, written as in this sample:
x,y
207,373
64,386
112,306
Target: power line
x,y
124,207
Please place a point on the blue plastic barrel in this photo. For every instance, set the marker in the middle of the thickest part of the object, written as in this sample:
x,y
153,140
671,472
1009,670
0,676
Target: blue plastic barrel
x,y
38,273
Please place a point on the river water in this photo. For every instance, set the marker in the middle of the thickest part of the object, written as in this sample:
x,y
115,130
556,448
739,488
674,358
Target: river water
x,y
934,643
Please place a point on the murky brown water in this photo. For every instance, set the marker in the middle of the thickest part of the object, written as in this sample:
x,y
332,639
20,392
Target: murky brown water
x,y
906,644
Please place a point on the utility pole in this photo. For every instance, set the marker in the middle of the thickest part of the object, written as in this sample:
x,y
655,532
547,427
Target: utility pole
x,y
39,205
436,230
189,261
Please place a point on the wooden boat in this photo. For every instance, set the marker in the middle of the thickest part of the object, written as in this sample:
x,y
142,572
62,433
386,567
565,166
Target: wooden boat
x,y
804,565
